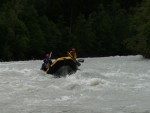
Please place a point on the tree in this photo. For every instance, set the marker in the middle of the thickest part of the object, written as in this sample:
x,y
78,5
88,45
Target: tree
x,y
15,40
140,27
83,37
110,25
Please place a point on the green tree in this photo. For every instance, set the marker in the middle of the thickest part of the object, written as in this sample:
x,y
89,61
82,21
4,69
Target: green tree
x,y
52,34
83,37
140,27
16,30
110,24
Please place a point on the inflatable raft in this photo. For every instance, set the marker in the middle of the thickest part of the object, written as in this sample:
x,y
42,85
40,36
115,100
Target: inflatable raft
x,y
63,66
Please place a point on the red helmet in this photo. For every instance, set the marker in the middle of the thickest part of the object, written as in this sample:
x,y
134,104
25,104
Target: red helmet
x,y
73,49
47,55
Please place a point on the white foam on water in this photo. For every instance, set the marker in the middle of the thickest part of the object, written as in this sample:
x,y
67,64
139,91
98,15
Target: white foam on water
x,y
117,84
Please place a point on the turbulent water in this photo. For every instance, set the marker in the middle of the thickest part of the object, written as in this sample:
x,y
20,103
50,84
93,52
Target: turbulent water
x,y
119,84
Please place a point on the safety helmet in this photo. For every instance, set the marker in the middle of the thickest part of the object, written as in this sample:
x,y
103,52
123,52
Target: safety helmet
x,y
47,55
73,49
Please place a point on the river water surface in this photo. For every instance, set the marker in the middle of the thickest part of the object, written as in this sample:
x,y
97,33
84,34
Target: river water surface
x,y
119,84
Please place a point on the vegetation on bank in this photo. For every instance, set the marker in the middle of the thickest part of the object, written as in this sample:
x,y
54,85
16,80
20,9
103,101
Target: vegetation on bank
x,y
31,28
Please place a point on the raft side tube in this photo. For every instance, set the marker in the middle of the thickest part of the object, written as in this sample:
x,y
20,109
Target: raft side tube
x,y
62,66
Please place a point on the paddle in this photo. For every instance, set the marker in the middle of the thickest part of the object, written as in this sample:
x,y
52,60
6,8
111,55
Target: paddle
x,y
74,59
50,54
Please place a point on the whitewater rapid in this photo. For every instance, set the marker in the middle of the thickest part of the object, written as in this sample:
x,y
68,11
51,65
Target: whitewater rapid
x,y
119,84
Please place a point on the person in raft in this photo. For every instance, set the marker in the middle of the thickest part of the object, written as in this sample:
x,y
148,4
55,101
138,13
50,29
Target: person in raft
x,y
73,53
46,62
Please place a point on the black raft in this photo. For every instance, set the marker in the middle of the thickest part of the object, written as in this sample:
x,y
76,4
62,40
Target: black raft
x,y
63,66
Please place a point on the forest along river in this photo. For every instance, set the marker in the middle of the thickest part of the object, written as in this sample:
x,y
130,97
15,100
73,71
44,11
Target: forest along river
x,y
119,84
